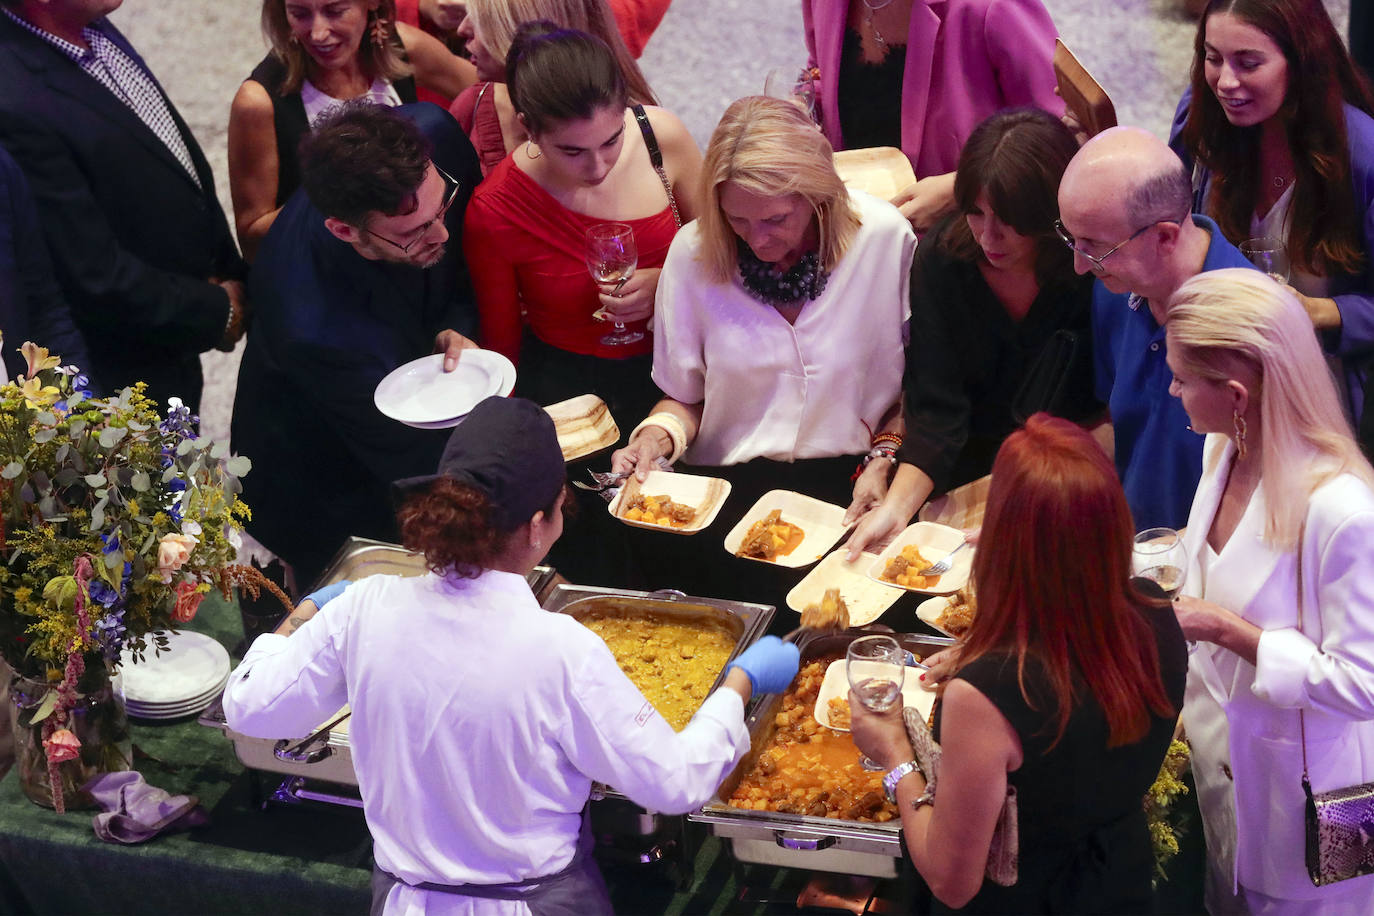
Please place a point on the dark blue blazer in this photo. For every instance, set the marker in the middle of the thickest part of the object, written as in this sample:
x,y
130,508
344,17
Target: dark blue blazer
x,y
133,239
329,325
31,306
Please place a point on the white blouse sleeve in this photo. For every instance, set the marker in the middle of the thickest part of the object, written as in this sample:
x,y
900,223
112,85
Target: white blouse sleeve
x,y
1335,672
679,345
613,735
286,687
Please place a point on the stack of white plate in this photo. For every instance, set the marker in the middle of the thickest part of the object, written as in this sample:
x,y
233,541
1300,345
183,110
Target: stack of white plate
x,y
182,680
422,394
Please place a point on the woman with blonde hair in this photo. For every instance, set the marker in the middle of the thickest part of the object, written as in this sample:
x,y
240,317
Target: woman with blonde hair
x,y
323,52
484,110
781,315
1279,593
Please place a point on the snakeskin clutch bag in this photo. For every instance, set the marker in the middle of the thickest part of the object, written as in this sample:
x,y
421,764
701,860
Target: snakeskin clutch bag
x,y
1340,833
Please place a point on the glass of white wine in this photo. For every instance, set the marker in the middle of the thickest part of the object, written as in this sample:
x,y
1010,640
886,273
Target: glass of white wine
x,y
612,257
1158,555
876,667
1269,255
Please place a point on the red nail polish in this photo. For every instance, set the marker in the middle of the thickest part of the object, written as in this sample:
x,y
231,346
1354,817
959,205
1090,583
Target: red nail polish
x,y
923,677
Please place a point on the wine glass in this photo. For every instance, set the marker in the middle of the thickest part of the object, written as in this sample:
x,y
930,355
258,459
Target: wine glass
x,y
876,666
612,258
1158,555
1269,255
794,86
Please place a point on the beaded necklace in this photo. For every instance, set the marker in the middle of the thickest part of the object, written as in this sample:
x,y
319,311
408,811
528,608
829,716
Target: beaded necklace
x,y
803,280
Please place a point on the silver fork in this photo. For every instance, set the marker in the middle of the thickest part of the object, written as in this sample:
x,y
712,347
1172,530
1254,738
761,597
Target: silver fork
x,y
602,480
940,567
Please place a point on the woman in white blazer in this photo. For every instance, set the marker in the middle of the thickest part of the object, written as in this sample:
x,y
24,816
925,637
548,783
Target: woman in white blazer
x,y
1284,486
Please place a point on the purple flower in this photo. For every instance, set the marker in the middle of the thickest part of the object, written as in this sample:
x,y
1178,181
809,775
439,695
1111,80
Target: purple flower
x,y
110,632
111,541
103,593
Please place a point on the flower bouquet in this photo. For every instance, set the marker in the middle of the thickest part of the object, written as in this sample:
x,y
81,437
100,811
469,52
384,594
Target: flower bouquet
x,y
114,523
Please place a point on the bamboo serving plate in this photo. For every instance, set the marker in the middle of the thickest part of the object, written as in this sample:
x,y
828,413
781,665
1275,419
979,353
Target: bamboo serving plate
x,y
866,599
584,426
705,494
821,523
882,171
934,542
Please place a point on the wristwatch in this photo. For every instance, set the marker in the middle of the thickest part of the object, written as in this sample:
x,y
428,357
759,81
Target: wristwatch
x,y
896,775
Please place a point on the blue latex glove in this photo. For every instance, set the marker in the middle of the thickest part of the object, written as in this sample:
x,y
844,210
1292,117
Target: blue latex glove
x,y
770,664
323,596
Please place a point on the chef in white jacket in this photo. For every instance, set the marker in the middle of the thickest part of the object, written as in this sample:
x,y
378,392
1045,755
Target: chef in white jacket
x,y
1282,525
479,719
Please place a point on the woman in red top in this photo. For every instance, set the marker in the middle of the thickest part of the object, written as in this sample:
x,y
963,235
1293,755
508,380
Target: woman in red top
x,y
588,161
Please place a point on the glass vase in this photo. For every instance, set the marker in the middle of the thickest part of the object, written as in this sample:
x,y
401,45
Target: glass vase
x,y
98,720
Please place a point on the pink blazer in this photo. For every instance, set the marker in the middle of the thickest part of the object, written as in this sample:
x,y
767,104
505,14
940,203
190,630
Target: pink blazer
x,y
965,60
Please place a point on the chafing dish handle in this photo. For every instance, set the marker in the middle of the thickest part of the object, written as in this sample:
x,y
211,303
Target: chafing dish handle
x,y
805,842
300,752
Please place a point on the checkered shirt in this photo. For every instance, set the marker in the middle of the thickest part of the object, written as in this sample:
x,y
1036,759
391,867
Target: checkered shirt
x,y
130,83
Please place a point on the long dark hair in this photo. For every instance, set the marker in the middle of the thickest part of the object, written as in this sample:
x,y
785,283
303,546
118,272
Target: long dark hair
x,y
1017,157
1053,577
556,75
1325,233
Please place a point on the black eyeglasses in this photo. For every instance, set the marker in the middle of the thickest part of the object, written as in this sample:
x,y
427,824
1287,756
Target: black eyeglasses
x,y
1097,265
421,231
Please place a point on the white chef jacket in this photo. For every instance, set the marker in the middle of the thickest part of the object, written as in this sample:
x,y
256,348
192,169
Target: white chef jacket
x,y
816,389
479,723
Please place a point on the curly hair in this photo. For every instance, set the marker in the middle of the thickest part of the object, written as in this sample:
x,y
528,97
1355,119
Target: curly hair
x,y
452,524
1326,230
362,159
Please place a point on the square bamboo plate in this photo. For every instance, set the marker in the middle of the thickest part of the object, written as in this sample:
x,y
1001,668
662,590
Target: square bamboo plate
x,y
836,684
866,599
934,541
930,611
706,494
821,523
1082,94
584,426
882,171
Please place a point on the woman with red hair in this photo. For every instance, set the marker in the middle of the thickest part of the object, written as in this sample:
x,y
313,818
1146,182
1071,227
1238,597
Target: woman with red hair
x,y
1066,689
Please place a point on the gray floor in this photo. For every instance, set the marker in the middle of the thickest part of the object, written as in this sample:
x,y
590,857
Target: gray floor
x,y
706,53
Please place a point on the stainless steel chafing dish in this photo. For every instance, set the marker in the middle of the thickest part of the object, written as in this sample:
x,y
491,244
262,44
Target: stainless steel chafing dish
x,y
801,841
327,756
620,825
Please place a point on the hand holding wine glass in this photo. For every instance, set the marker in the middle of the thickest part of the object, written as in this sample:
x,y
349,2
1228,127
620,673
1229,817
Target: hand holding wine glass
x,y
612,257
876,667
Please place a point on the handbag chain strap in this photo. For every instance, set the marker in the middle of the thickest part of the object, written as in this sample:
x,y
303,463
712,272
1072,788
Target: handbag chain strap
x,y
1302,723
656,159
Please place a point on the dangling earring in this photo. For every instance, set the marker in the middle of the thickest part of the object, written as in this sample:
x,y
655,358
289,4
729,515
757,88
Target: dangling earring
x,y
1239,422
379,30
529,145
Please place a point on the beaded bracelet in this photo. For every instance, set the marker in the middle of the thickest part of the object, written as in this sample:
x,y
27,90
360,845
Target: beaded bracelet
x,y
894,438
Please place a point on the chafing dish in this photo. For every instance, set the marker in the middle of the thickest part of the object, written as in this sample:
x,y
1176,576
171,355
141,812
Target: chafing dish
x,y
801,841
326,755
624,829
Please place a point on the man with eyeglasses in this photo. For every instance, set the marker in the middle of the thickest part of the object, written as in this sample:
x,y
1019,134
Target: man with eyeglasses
x,y
1124,205
360,273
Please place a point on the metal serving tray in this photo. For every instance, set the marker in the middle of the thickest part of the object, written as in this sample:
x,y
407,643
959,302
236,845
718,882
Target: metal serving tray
x,y
329,757
798,840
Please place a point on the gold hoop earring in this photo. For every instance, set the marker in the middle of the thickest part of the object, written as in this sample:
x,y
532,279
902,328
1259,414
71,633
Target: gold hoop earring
x,y
1239,423
529,145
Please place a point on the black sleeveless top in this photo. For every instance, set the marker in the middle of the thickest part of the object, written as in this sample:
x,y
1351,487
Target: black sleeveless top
x,y
1084,843
870,95
290,122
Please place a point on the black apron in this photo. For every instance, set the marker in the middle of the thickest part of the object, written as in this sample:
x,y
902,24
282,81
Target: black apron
x,y
577,890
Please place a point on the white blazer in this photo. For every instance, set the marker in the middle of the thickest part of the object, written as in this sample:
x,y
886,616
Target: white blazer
x,y
1242,719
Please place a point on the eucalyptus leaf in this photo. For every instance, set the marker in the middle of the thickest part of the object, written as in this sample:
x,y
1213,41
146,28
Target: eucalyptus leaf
x,y
139,427
26,492
45,434
40,481
76,428
12,470
184,446
109,437
219,450
94,480
63,451
67,477
97,520
48,506
45,707
45,418
239,465
140,481
113,559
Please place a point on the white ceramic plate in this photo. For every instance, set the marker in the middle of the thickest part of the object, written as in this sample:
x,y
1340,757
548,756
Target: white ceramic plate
x,y
934,541
422,394
866,599
836,684
821,523
706,494
193,665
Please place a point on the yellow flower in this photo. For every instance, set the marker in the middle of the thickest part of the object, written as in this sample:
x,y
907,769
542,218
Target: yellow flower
x,y
36,394
38,358
133,507
22,594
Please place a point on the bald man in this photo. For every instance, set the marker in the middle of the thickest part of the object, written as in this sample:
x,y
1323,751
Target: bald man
x,y
1124,207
